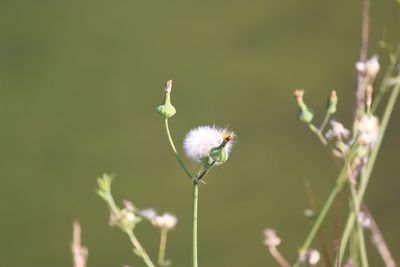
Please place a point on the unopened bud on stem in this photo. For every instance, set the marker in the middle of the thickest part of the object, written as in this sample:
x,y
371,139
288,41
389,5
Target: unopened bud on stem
x,y
304,114
168,86
220,154
167,110
332,103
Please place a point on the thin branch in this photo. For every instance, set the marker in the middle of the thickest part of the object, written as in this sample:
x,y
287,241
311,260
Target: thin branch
x,y
364,31
378,240
203,173
321,236
363,57
278,257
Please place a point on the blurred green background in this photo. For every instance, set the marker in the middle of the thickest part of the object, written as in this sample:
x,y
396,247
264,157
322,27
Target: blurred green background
x,y
79,83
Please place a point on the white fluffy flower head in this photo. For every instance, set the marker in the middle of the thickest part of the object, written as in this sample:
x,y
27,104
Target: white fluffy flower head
x,y
200,141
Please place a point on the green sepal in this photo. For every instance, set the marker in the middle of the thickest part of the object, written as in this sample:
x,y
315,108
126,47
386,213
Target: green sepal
x,y
219,154
331,105
305,114
167,110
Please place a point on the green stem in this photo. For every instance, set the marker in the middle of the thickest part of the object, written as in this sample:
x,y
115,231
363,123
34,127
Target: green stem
x,y
319,220
194,221
332,196
367,173
360,230
163,245
171,142
385,81
138,247
318,133
324,122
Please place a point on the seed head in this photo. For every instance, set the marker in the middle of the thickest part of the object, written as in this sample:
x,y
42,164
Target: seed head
x,y
200,141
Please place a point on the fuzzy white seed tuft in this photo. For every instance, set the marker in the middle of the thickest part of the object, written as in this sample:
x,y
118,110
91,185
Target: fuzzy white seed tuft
x,y
199,141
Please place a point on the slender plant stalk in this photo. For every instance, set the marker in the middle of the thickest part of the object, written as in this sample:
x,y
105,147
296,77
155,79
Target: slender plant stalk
x,y
319,134
354,251
195,195
163,245
368,170
385,81
360,230
363,57
278,257
320,219
343,176
312,206
178,158
324,122
138,247
379,241
194,221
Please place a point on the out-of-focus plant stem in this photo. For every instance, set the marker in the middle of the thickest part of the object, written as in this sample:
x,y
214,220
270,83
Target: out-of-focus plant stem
x,y
139,250
194,223
393,57
366,174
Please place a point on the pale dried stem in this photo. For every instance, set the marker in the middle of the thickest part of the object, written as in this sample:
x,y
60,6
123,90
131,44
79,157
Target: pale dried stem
x,y
79,253
278,257
379,241
363,57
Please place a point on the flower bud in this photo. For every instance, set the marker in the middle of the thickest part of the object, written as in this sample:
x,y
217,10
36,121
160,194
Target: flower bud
x,y
167,110
304,114
220,154
332,103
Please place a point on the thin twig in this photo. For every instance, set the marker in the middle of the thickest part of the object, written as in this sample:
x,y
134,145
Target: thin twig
x,y
318,133
321,236
278,256
138,249
324,122
365,31
378,240
203,173
363,57
178,158
79,253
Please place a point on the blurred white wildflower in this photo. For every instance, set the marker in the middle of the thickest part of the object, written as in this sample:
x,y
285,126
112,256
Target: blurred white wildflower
x,y
201,140
310,257
166,221
313,257
368,130
371,67
364,220
337,130
270,238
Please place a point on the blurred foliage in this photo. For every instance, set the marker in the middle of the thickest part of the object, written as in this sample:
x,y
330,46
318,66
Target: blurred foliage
x,y
79,83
